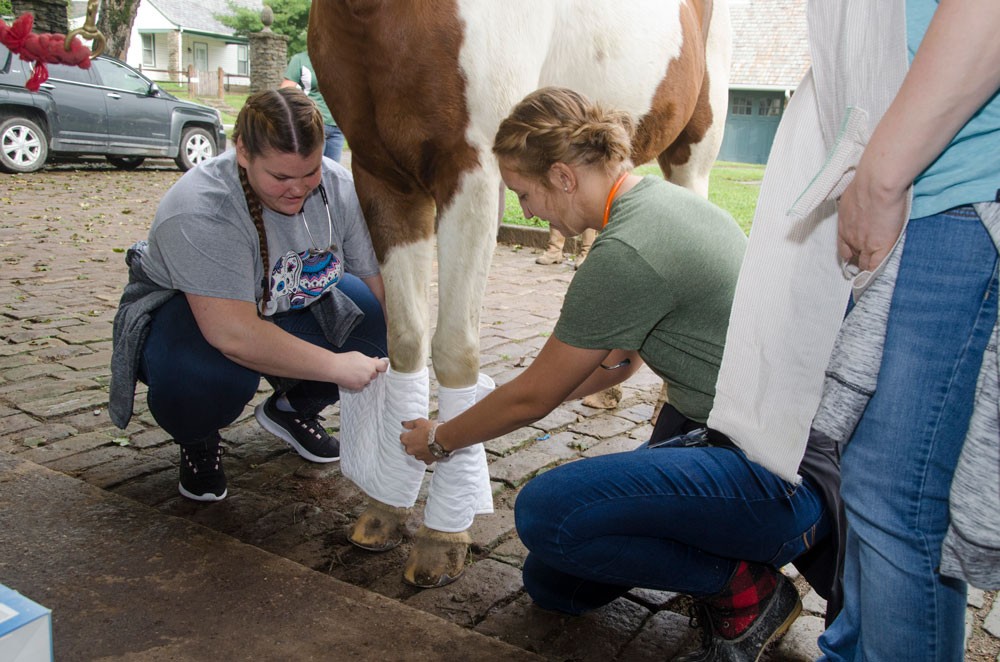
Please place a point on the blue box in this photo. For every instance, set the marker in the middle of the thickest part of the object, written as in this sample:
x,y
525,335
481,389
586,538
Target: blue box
x,y
25,629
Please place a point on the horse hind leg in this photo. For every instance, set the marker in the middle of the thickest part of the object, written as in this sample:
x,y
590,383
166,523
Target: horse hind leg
x,y
689,160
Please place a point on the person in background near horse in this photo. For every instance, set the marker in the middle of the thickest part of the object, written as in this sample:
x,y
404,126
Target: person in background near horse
x,y
686,512
554,250
258,263
300,74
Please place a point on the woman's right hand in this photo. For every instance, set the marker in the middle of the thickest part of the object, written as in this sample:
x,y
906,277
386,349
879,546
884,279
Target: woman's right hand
x,y
870,217
355,370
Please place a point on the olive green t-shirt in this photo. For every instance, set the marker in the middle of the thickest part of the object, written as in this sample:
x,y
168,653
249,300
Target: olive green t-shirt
x,y
660,279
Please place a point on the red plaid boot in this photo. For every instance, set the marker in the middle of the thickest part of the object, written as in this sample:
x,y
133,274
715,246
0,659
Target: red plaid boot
x,y
756,606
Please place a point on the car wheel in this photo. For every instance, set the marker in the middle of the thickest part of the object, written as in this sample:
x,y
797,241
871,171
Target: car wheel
x,y
126,162
24,147
197,145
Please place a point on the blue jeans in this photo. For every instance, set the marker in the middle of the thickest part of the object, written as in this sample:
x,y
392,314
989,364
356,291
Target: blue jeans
x,y
195,391
672,518
897,468
334,145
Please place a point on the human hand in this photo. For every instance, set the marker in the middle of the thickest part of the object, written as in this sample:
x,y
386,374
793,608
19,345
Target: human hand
x,y
414,439
356,370
869,220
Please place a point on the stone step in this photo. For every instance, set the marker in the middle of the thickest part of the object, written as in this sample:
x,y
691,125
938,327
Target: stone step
x,y
125,581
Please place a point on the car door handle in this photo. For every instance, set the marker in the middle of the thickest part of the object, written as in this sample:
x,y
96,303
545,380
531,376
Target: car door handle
x,y
48,86
114,96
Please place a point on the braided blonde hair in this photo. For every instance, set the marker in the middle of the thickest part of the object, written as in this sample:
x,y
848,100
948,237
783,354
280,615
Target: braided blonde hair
x,y
282,120
556,124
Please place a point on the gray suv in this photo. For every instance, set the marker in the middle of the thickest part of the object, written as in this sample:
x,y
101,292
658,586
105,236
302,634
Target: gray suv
x,y
108,110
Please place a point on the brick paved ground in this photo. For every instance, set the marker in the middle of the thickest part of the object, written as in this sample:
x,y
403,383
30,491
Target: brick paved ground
x,y
62,237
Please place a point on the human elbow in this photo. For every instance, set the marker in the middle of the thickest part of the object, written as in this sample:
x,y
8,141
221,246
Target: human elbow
x,y
233,345
536,408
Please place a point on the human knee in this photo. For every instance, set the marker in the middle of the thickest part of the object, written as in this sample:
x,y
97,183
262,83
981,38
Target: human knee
x,y
534,515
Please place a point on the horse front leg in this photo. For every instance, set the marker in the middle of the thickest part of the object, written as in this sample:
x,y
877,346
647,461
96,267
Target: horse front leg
x,y
460,487
466,240
401,227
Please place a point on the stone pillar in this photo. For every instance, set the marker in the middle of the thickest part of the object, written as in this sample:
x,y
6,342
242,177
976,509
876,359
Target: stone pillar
x,y
51,16
174,63
268,55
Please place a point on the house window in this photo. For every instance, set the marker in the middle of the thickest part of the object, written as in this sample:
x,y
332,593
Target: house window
x,y
742,106
769,107
243,60
149,50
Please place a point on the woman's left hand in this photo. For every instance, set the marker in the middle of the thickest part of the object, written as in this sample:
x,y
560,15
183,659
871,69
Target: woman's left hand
x,y
414,439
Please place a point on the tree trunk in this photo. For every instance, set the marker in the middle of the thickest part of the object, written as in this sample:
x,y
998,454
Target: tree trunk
x,y
115,23
50,15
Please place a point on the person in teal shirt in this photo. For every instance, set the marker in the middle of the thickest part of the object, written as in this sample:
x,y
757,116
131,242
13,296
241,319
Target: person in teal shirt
x,y
300,73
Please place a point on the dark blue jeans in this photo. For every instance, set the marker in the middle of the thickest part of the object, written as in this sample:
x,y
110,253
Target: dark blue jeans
x,y
672,518
195,391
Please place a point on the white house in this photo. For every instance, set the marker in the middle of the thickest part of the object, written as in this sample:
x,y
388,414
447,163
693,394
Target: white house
x,y
169,35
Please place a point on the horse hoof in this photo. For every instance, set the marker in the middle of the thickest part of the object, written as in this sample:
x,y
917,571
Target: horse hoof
x,y
379,528
437,558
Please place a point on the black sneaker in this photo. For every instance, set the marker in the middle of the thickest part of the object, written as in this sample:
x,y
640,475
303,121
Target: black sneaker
x,y
202,477
776,616
306,435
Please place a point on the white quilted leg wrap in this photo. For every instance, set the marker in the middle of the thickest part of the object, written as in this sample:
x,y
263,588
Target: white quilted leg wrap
x,y
370,425
460,487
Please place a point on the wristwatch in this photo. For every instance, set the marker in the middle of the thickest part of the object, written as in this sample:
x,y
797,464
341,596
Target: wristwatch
x,y
436,449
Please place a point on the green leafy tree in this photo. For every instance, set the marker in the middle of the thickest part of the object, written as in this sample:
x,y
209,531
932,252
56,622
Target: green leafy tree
x,y
291,18
5,8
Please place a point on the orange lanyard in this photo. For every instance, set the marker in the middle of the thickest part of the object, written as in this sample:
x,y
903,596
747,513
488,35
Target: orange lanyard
x,y
611,197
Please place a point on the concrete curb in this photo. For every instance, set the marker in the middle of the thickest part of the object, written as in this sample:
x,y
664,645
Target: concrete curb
x,y
532,237
125,581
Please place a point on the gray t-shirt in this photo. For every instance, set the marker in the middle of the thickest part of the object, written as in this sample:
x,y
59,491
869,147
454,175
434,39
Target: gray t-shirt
x,y
660,279
203,240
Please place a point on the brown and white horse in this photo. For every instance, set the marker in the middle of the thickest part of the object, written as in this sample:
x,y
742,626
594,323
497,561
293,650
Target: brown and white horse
x,y
419,88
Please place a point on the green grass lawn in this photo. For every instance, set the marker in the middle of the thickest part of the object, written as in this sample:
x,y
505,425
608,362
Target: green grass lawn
x,y
732,186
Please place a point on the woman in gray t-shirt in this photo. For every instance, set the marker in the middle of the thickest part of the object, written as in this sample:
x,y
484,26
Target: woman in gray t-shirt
x,y
258,263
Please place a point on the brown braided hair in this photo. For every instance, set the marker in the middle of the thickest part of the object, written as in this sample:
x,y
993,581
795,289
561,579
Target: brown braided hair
x,y
282,120
556,124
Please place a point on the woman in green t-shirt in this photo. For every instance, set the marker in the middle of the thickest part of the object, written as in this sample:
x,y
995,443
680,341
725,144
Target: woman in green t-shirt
x,y
687,512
